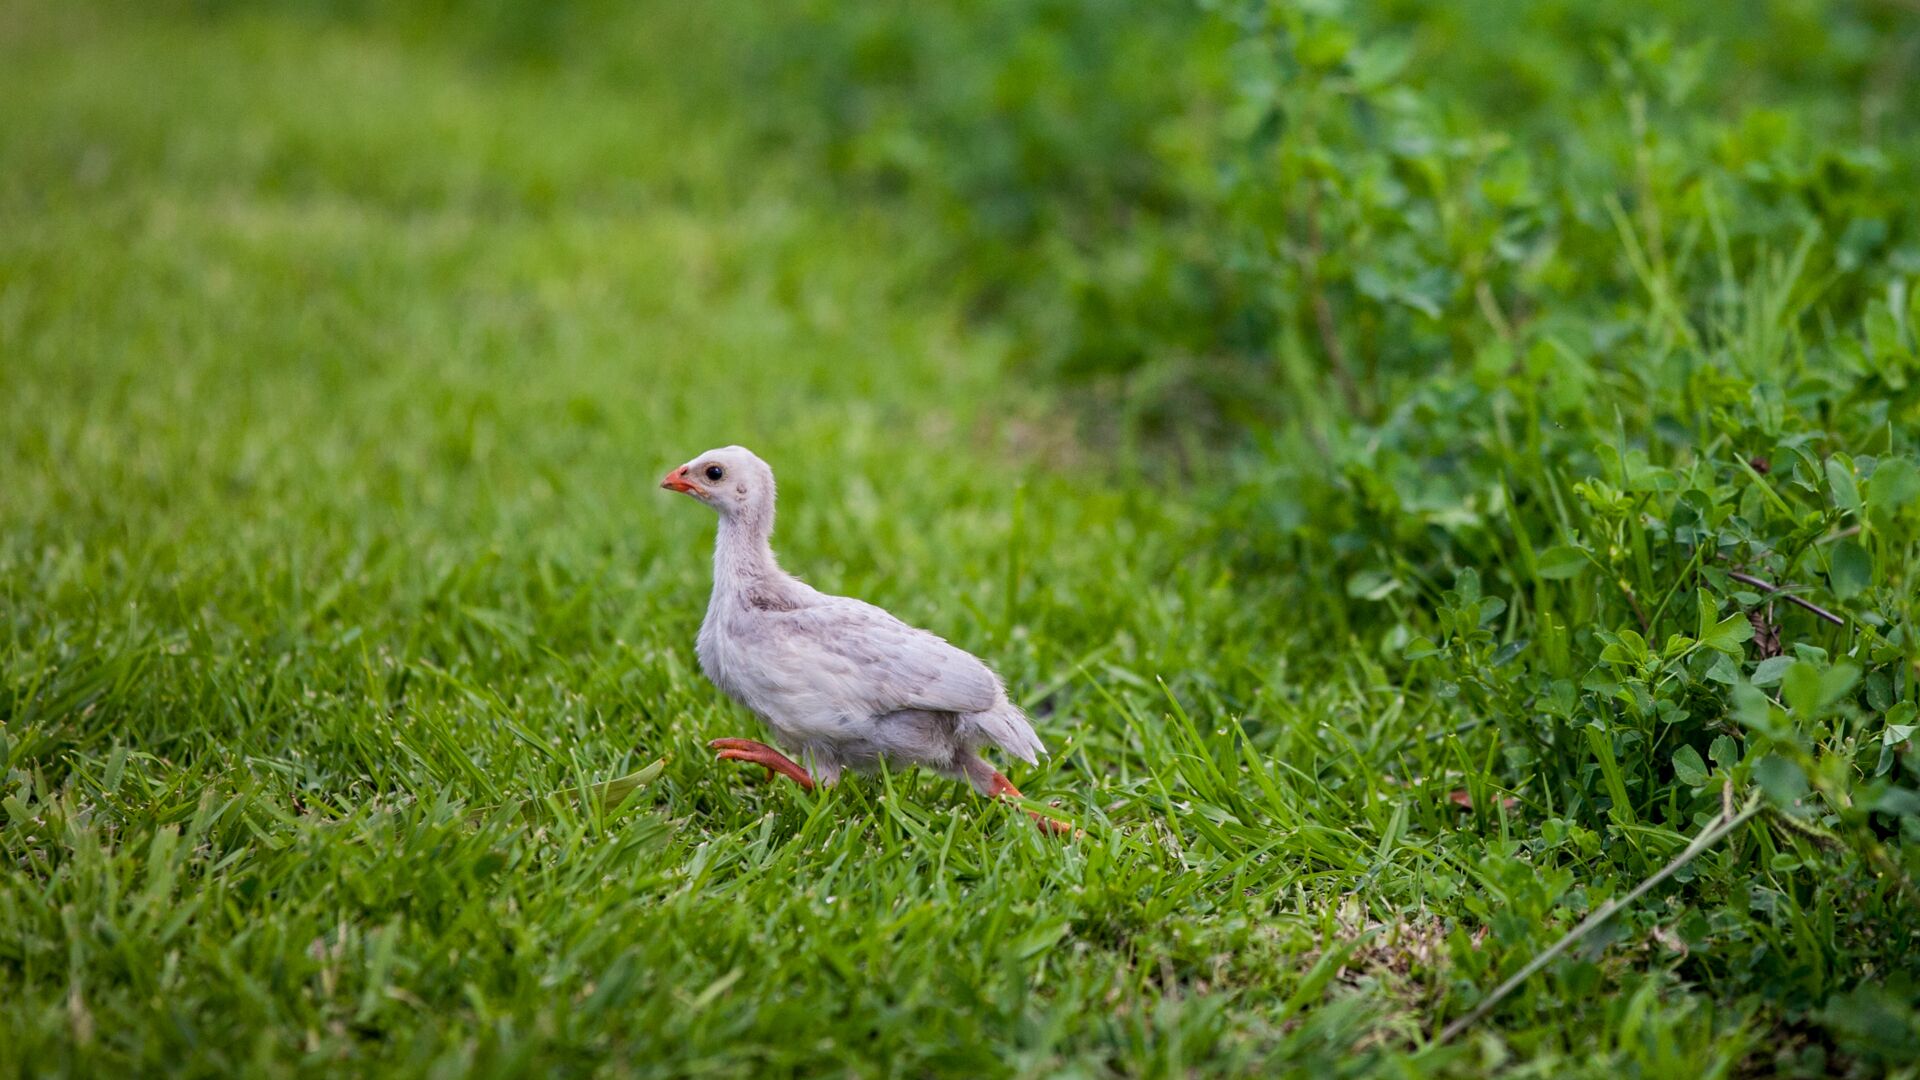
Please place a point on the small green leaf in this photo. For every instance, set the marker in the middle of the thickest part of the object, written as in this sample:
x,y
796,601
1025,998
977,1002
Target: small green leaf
x,y
1688,768
1850,570
1755,710
1879,691
1725,752
1846,493
1784,782
1800,687
1767,672
1561,562
1893,489
1377,63
1635,645
1810,691
1371,585
1040,938
1491,608
1723,670
1894,800
1837,682
1728,634
1883,334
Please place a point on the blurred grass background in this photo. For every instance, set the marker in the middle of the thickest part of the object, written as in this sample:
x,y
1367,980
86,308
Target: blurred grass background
x,y
1355,430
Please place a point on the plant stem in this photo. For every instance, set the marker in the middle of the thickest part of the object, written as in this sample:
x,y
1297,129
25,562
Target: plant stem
x,y
1705,840
1749,579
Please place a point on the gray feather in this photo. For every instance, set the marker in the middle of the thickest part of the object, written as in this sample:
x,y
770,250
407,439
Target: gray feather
x,y
896,666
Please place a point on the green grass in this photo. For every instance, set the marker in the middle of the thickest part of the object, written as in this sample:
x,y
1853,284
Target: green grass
x,y
338,366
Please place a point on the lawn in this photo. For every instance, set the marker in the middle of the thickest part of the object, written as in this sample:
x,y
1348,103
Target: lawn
x,y
349,716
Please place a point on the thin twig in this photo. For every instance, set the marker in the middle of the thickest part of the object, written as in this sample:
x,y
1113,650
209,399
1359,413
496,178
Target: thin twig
x,y
1634,603
1323,319
1700,843
1749,579
1490,307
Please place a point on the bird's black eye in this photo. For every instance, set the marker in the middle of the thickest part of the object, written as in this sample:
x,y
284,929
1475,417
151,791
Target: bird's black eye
x,y
715,473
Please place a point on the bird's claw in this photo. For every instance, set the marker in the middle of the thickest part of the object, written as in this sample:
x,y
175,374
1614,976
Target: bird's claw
x,y
736,744
759,753
1056,827
1002,788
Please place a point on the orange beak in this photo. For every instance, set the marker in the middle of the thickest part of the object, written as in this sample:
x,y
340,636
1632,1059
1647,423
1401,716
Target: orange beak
x,y
677,481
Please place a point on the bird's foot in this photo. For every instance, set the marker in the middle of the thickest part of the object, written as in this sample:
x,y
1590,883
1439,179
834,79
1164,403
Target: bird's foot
x,y
759,753
1002,788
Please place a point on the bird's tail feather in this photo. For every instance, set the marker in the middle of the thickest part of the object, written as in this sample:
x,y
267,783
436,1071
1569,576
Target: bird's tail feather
x,y
1006,727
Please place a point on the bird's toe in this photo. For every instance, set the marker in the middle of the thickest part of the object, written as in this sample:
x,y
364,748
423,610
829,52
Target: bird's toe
x,y
736,744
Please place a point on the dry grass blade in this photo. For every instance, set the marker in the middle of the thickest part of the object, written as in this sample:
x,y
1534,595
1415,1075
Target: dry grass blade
x,y
615,792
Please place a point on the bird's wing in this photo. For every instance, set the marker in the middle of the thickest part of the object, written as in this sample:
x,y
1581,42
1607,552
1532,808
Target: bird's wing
x,y
886,665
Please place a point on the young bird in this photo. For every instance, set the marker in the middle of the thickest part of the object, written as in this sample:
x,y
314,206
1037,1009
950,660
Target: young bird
x,y
839,682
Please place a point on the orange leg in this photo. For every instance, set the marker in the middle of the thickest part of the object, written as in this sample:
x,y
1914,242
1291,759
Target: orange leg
x,y
1000,787
759,753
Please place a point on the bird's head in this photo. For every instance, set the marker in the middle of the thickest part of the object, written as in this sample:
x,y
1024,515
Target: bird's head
x,y
732,480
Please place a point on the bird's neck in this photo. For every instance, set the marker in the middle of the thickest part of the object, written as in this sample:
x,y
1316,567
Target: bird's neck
x,y
743,551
